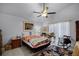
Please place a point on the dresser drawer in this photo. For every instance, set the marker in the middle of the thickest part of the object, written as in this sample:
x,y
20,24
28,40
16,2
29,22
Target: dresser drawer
x,y
16,43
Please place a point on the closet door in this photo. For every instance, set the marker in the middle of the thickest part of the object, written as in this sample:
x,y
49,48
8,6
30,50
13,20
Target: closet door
x,y
77,30
0,43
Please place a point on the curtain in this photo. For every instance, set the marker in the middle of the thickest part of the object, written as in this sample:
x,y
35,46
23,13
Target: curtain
x,y
59,30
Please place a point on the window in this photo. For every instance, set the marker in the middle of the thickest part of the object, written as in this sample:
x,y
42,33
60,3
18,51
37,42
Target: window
x,y
60,29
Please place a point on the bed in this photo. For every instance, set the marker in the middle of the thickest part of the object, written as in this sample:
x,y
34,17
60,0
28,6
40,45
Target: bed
x,y
35,42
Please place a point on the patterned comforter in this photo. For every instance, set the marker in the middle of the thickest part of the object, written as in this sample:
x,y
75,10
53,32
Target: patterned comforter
x,y
36,41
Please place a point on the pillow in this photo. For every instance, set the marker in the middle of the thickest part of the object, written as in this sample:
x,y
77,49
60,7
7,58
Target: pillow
x,y
27,38
35,36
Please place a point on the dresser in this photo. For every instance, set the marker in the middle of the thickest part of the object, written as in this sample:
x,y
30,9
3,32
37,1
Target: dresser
x,y
16,42
0,43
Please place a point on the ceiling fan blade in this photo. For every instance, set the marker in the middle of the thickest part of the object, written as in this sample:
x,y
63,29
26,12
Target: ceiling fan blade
x,y
51,13
36,12
38,15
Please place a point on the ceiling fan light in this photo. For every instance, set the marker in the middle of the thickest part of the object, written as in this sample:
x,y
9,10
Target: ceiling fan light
x,y
44,14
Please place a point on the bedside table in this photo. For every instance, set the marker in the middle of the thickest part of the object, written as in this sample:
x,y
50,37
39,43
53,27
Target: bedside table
x,y
16,43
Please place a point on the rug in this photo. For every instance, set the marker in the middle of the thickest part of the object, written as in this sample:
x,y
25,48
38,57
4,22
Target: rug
x,y
53,51
44,53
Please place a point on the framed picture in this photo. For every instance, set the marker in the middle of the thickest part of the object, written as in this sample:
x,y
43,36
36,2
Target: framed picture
x,y
28,26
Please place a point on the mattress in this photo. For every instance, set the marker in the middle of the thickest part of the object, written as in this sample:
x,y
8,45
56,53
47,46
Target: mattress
x,y
37,42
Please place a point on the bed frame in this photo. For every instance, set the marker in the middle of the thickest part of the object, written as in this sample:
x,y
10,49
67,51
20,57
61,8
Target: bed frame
x,y
35,49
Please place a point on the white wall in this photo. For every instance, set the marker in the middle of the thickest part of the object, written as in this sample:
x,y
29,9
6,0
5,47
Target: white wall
x,y
11,26
73,31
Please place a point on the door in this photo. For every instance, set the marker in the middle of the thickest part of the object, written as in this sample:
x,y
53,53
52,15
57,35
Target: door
x,y
0,43
77,30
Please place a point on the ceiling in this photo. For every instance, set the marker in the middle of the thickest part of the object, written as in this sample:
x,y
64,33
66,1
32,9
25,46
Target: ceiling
x,y
25,10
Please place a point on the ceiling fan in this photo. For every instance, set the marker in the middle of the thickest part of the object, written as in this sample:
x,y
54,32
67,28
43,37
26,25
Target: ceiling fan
x,y
44,12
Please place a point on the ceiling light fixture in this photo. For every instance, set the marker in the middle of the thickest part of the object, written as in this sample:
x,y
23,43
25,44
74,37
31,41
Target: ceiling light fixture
x,y
44,12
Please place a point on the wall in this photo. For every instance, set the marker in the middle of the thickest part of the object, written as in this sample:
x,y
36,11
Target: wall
x,y
11,26
73,31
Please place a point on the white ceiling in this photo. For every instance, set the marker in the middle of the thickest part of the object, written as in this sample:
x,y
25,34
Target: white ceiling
x,y
25,10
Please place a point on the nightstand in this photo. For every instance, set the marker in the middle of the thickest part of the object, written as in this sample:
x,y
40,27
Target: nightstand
x,y
16,42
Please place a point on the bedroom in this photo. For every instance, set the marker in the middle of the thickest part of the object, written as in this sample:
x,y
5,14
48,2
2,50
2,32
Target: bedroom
x,y
14,16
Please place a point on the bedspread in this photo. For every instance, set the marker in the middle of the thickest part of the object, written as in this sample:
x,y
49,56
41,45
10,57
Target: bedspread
x,y
35,41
